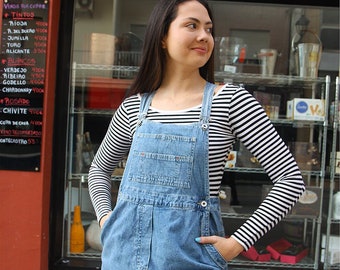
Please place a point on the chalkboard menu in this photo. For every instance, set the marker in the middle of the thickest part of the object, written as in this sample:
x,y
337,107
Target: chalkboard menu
x,y
24,31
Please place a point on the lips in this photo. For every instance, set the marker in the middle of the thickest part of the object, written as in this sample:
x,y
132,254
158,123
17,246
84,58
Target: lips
x,y
201,49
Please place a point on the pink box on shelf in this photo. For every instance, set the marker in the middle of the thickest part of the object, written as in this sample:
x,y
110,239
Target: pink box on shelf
x,y
254,255
276,248
295,257
286,252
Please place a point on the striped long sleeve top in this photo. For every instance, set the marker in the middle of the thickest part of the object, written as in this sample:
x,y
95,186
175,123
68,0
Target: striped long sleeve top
x,y
235,114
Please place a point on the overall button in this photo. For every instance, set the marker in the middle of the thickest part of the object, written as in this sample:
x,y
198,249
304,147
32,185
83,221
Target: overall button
x,y
203,203
204,126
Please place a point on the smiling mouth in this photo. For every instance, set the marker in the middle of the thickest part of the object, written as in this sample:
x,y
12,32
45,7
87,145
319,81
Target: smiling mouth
x,y
200,50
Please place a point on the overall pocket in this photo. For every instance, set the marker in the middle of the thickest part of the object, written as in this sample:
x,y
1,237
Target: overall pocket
x,y
215,228
162,159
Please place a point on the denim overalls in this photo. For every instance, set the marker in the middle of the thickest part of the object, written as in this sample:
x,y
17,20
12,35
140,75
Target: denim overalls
x,y
164,202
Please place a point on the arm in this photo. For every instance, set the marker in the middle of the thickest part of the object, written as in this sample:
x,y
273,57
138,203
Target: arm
x,y
113,148
251,125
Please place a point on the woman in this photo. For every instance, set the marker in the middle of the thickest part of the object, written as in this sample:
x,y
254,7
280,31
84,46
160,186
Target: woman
x,y
178,129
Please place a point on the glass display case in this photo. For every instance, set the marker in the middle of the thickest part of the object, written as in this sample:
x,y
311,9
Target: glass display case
x,y
106,46
330,240
307,139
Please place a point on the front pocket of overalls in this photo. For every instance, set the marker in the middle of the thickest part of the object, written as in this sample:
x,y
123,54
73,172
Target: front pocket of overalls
x,y
163,159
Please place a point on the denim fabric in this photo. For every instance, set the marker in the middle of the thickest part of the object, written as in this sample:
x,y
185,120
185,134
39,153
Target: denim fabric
x,y
163,202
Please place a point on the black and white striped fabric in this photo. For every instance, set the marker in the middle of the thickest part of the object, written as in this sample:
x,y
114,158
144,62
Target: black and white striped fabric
x,y
235,114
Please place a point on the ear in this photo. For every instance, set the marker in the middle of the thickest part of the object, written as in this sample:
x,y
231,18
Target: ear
x,y
163,44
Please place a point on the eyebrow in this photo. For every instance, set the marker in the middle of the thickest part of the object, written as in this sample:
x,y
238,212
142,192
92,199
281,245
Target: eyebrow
x,y
198,21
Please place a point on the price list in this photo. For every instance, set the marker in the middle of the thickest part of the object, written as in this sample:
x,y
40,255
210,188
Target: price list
x,y
24,33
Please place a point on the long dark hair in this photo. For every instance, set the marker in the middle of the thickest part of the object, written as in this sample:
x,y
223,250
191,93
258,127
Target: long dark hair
x,y
152,68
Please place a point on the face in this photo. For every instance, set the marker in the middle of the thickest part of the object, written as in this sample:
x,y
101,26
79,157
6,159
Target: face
x,y
189,41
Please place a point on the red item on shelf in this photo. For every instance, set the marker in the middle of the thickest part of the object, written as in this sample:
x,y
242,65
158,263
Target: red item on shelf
x,y
286,252
106,93
276,248
254,255
297,254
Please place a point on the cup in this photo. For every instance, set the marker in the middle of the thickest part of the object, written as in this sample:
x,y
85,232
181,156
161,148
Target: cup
x,y
309,58
232,52
268,60
275,106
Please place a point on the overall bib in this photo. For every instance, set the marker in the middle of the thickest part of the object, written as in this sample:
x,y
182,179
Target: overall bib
x,y
163,202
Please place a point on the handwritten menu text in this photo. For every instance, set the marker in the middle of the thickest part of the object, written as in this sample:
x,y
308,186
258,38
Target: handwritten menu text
x,y
24,32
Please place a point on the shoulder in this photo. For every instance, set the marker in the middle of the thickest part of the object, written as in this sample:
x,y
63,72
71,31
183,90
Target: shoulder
x,y
128,108
227,88
229,91
131,101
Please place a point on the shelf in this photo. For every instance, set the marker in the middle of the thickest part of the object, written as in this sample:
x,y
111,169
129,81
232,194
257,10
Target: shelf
x,y
235,215
245,78
260,170
305,263
82,71
88,254
105,67
335,266
297,123
274,80
83,177
103,112
335,221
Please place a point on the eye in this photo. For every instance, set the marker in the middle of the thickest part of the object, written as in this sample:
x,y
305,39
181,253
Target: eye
x,y
209,30
192,25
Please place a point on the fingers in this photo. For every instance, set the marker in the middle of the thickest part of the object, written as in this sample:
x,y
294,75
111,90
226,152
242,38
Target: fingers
x,y
207,239
103,219
229,248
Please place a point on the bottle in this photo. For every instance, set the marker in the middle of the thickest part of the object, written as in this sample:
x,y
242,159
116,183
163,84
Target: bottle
x,y
77,235
336,205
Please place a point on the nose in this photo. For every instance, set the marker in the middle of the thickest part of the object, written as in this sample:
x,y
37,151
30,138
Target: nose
x,y
204,35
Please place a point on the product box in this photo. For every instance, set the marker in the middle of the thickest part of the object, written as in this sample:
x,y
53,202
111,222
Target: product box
x,y
106,93
294,254
270,103
333,256
306,109
225,199
333,249
286,252
337,162
276,248
333,242
231,160
257,254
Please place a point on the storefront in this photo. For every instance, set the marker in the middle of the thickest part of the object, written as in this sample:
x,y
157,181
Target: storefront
x,y
68,65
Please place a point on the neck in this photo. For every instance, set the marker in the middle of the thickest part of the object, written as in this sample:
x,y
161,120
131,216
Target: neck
x,y
179,92
178,81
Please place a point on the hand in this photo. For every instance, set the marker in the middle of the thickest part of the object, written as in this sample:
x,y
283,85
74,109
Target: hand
x,y
103,219
229,248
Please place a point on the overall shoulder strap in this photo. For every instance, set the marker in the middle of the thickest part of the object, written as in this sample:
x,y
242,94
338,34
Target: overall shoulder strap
x,y
145,102
207,101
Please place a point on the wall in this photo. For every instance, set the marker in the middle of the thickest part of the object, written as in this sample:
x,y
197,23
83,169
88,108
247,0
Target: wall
x,y
25,196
